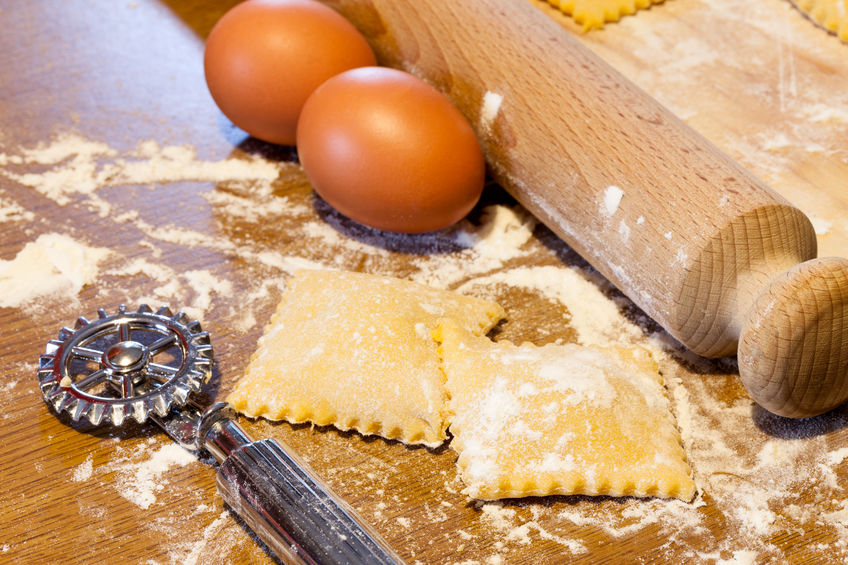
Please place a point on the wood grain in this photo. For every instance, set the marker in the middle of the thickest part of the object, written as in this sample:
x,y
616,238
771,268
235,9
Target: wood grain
x,y
126,73
690,235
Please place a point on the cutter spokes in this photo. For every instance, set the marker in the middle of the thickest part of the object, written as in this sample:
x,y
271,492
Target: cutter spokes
x,y
125,365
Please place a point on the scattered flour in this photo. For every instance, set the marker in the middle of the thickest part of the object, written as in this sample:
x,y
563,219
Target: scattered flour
x,y
740,557
788,84
596,319
197,551
8,386
819,112
503,520
140,481
500,238
611,201
152,164
54,265
186,237
820,225
749,466
837,456
83,471
79,167
259,203
141,266
205,284
11,211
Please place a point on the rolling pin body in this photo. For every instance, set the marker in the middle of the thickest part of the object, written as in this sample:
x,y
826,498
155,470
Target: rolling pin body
x,y
693,238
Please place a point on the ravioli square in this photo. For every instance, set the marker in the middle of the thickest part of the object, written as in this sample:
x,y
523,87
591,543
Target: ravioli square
x,y
592,14
356,351
560,420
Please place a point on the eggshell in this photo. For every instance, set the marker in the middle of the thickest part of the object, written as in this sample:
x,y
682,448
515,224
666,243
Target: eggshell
x,y
264,58
390,151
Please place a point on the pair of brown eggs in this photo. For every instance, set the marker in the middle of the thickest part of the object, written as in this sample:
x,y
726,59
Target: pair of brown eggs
x,y
380,145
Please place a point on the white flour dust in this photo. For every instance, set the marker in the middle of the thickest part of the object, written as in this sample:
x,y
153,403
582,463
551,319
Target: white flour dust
x,y
83,471
196,553
11,211
750,467
489,110
785,112
75,166
612,198
140,475
53,265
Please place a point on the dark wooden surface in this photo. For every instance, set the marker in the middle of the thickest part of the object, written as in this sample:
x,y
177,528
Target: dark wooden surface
x,y
755,77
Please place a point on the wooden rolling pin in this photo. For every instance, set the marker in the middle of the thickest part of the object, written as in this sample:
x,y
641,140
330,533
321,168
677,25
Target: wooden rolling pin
x,y
706,249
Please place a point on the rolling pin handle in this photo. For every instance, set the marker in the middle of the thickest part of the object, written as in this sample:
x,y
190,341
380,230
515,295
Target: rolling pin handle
x,y
284,503
793,346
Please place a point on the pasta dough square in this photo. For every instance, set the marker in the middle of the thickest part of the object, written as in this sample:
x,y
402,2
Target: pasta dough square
x,y
832,15
592,14
560,420
356,351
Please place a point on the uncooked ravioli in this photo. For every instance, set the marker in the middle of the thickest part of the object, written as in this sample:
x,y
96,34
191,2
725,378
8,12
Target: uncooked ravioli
x,y
832,15
592,14
355,351
560,420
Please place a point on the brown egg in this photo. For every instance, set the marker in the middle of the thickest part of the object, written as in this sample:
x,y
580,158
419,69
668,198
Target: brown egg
x,y
265,57
390,151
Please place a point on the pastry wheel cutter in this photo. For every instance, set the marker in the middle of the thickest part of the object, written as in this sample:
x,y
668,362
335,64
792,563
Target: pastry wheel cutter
x,y
140,365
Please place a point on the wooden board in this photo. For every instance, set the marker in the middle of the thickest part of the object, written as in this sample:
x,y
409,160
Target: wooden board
x,y
193,229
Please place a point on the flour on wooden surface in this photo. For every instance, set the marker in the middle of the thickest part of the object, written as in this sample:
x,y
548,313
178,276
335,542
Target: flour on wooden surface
x,y
820,225
11,211
54,265
830,112
79,167
8,385
500,238
141,476
258,204
83,471
208,534
198,549
597,319
765,62
749,465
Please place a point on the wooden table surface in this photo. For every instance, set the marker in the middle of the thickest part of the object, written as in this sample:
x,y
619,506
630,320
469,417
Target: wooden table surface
x,y
108,136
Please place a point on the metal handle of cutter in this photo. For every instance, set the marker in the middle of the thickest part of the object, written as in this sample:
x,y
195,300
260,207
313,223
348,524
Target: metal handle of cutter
x,y
280,498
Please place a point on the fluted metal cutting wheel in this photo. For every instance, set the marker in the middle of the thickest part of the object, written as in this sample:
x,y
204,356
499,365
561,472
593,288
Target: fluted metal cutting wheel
x,y
125,365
